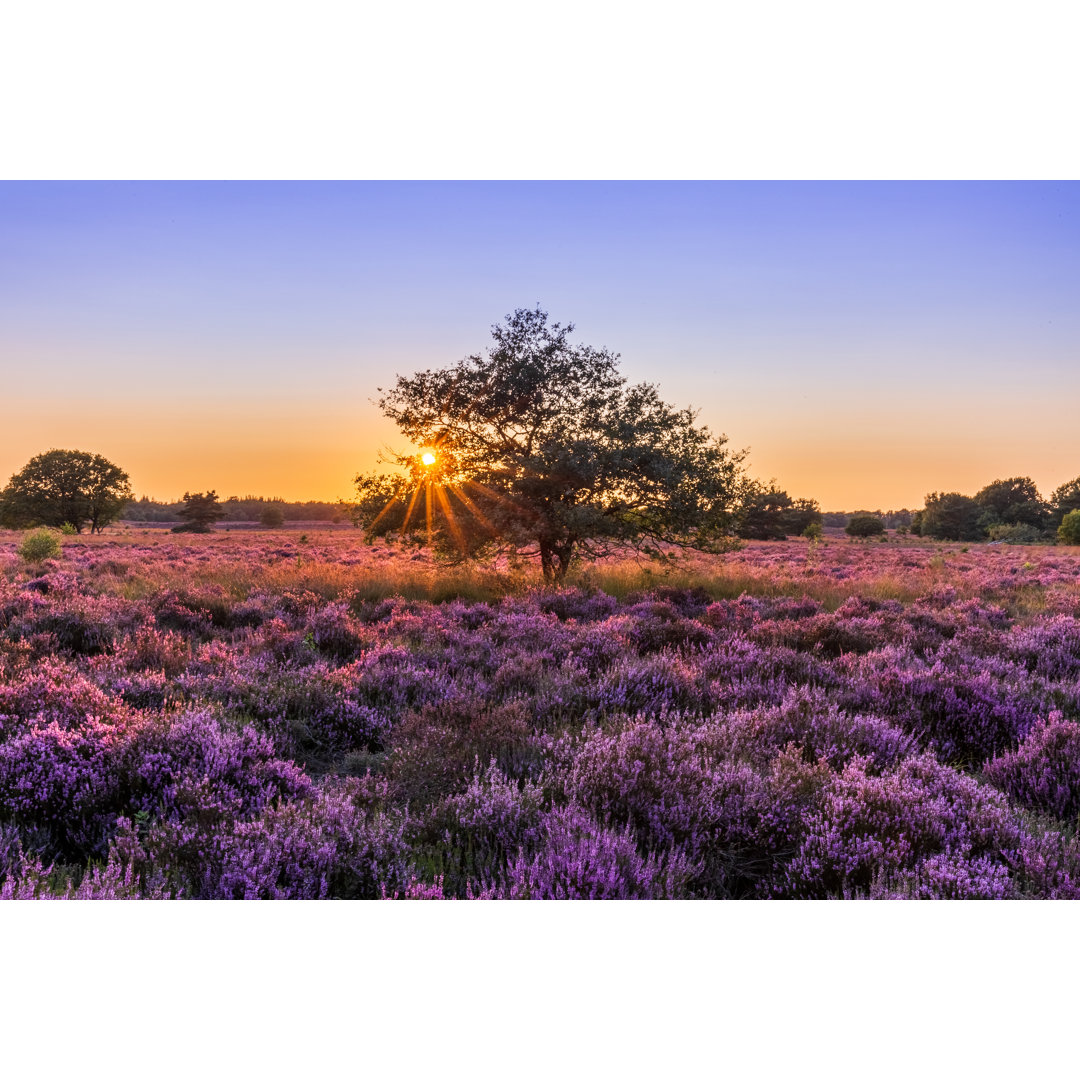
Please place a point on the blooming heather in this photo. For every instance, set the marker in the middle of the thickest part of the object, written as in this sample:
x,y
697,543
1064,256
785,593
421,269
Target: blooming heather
x,y
238,716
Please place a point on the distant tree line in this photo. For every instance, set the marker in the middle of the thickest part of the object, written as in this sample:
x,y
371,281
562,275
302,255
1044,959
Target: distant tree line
x,y
237,508
891,519
1009,511
73,490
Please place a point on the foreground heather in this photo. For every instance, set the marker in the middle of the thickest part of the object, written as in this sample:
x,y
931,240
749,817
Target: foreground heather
x,y
236,717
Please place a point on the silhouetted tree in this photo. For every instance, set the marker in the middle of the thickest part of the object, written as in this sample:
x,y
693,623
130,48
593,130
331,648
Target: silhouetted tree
x,y
541,447
1064,500
271,516
65,487
865,525
949,516
1015,501
199,512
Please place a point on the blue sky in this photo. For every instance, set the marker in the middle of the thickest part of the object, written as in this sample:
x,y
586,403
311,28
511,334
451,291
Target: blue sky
x,y
869,342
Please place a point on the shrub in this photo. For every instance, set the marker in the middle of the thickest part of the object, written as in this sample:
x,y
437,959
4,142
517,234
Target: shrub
x,y
916,822
865,525
1044,773
581,860
272,516
39,546
1017,534
1069,529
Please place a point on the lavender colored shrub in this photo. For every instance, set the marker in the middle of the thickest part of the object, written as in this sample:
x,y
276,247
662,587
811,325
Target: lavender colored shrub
x,y
1043,773
246,716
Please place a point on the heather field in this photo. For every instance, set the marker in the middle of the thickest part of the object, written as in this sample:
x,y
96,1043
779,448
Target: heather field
x,y
299,715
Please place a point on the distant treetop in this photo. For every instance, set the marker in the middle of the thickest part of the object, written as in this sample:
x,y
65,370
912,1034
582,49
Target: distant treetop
x,y
65,487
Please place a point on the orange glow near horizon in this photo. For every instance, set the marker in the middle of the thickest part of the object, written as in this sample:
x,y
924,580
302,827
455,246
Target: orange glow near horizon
x,y
306,451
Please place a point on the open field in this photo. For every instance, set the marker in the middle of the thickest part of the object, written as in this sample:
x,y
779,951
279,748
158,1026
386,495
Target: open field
x,y
301,715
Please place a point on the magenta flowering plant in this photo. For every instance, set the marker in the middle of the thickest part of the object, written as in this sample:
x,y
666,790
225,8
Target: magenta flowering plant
x,y
197,718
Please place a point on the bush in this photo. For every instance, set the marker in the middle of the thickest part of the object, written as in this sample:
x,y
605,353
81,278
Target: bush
x,y
1069,529
1043,774
1017,534
40,545
865,525
272,516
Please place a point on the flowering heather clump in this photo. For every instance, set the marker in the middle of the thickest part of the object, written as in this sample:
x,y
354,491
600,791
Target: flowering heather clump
x,y
1044,772
1050,648
580,860
473,836
867,826
947,877
213,716
807,718
177,766
65,782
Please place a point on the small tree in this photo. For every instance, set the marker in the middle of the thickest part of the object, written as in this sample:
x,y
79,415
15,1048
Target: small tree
x,y
541,448
199,513
1069,529
764,512
271,516
865,525
1015,501
769,513
65,487
950,516
803,515
1064,499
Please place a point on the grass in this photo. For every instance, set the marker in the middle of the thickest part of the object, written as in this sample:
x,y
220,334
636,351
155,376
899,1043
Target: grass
x,y
135,566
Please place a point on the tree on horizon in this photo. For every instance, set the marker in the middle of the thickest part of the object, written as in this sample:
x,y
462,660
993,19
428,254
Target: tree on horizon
x,y
540,447
65,487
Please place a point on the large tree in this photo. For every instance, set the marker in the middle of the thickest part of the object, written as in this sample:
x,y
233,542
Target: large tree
x,y
1015,501
540,447
65,487
950,516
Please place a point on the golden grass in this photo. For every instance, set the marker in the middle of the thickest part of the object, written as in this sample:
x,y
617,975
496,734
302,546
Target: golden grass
x,y
242,563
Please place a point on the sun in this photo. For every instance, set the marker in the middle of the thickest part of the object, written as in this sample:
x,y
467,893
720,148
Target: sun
x,y
427,457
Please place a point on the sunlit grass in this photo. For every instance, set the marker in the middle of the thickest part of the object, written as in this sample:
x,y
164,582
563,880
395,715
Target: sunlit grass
x,y
136,565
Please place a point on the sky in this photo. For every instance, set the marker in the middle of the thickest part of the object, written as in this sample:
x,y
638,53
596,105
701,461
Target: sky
x,y
869,342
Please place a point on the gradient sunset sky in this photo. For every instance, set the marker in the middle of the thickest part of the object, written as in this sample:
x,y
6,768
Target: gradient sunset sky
x,y
869,342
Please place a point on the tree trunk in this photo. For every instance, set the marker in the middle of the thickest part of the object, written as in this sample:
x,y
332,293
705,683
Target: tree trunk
x,y
547,562
555,560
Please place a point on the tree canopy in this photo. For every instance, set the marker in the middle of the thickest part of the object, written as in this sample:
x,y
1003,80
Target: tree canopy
x,y
865,525
65,487
949,516
539,446
1064,500
769,513
1015,501
199,512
